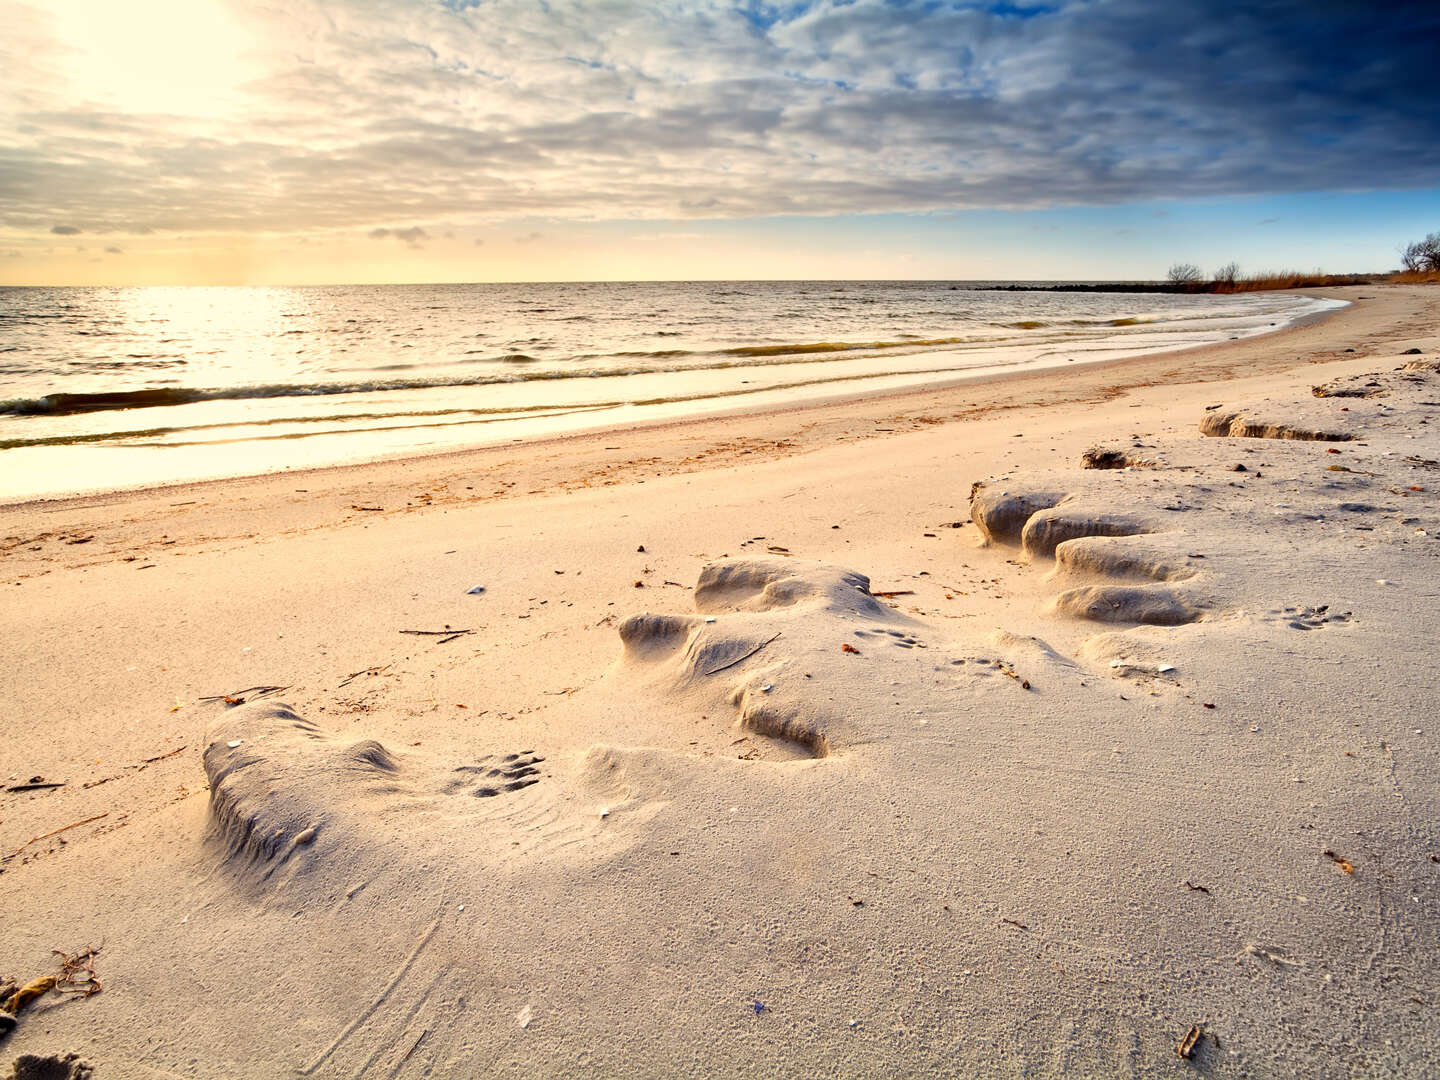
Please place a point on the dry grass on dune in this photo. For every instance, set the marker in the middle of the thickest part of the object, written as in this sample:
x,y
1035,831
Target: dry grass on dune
x,y
1415,277
1266,280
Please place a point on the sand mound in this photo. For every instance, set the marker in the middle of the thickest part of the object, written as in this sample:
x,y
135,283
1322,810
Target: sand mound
x,y
279,785
1152,604
1347,406
1048,529
1001,513
1126,534
765,628
768,584
1155,558
287,798
1196,540
1288,424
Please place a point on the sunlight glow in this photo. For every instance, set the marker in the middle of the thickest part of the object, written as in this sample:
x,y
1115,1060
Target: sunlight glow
x,y
184,57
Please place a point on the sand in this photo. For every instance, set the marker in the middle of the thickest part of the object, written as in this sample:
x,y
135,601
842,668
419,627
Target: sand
x,y
878,738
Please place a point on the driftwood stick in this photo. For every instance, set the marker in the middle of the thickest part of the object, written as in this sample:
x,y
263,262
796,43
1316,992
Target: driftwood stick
x,y
262,690
740,659
55,832
159,757
377,670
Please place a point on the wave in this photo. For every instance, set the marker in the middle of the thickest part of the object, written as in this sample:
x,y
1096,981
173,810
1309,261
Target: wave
x,y
431,418
819,352
837,346
67,404
435,418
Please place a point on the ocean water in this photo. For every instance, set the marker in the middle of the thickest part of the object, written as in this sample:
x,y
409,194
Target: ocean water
x,y
105,388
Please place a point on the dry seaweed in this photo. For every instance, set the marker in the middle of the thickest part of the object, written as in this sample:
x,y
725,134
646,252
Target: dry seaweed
x,y
1186,1046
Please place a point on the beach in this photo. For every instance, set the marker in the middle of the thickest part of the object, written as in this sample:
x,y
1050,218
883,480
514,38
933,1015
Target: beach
x,y
866,736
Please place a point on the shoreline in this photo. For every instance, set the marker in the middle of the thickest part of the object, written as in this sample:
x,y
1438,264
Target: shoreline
x,y
91,466
585,439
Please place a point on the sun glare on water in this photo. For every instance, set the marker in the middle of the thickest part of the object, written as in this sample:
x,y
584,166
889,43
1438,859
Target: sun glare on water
x,y
186,57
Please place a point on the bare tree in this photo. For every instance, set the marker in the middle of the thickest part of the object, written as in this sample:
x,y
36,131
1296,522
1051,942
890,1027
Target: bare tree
x,y
1227,274
1423,255
1185,274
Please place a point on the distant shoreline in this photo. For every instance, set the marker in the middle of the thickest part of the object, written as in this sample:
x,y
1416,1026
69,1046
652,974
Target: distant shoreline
x,y
1318,281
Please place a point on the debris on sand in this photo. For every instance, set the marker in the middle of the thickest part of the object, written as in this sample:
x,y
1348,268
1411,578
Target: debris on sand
x,y
50,1067
1186,1047
1272,953
1346,867
31,991
1103,457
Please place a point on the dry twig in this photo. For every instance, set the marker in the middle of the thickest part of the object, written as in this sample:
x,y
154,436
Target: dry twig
x,y
134,768
238,697
53,832
739,659
37,785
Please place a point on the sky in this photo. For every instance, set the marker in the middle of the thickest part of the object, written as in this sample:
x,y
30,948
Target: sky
x,y
317,141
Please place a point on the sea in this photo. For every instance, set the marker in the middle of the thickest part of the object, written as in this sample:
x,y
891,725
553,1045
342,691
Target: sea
x,y
111,388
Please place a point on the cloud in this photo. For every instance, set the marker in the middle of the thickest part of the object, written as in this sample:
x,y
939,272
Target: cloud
x,y
529,238
475,114
65,230
413,236
479,241
113,251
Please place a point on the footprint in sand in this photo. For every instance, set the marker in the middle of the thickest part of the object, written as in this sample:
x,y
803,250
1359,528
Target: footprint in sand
x,y
1313,618
495,774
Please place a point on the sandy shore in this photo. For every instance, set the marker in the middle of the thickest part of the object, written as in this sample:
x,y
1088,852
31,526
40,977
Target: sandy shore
x,y
680,792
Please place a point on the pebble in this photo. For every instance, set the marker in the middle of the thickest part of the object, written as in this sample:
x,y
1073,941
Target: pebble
x,y
475,590
305,837
234,743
